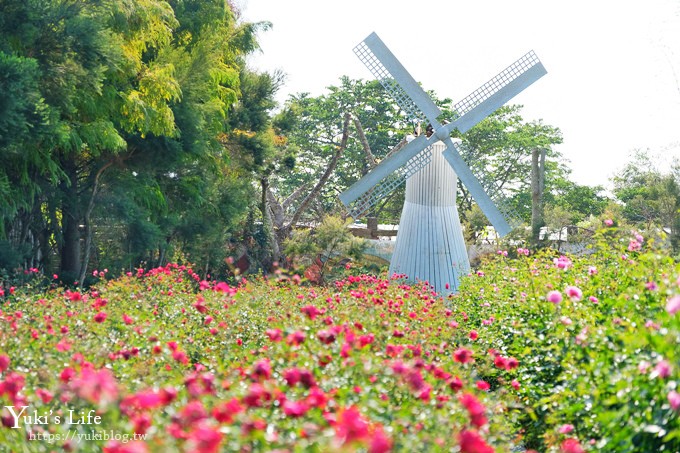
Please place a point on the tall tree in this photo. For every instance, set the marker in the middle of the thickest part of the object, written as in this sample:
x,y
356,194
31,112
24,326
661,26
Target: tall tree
x,y
131,93
262,154
24,124
314,125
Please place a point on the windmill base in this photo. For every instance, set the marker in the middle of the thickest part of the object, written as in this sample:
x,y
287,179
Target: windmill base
x,y
430,245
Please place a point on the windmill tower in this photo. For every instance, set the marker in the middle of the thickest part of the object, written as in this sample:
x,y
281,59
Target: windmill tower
x,y
430,245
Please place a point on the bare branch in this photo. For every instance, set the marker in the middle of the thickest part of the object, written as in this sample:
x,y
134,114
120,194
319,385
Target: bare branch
x,y
294,196
397,147
364,143
327,174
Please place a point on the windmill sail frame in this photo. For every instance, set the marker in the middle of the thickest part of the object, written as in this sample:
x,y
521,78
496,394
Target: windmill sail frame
x,y
411,98
427,248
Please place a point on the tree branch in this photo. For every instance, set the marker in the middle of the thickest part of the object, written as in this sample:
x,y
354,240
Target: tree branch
x,y
327,174
364,143
292,197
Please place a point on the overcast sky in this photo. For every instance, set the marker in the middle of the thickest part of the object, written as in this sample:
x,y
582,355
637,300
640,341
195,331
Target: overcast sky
x,y
613,82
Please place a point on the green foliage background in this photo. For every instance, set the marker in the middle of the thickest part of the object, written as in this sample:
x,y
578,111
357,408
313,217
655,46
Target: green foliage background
x,y
133,133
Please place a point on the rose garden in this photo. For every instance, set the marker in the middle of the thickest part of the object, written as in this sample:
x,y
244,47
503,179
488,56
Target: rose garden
x,y
537,351
179,271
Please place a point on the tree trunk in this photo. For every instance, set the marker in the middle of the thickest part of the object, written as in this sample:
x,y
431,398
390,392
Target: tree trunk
x,y
88,225
70,222
276,210
537,188
273,244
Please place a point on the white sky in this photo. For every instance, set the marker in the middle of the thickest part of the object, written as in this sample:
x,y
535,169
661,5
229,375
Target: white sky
x,y
613,82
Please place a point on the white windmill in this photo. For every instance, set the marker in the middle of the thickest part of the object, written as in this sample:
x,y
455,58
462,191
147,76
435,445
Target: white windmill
x,y
430,245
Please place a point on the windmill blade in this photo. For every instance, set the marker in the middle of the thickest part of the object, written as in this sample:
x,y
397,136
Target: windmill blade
x,y
492,188
498,219
389,174
494,93
473,109
382,63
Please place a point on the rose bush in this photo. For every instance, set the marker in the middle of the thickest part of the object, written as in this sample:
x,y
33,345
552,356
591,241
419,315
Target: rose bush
x,y
268,365
369,364
597,340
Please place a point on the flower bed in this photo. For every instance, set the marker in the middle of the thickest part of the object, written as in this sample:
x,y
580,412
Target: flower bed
x,y
537,351
597,340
